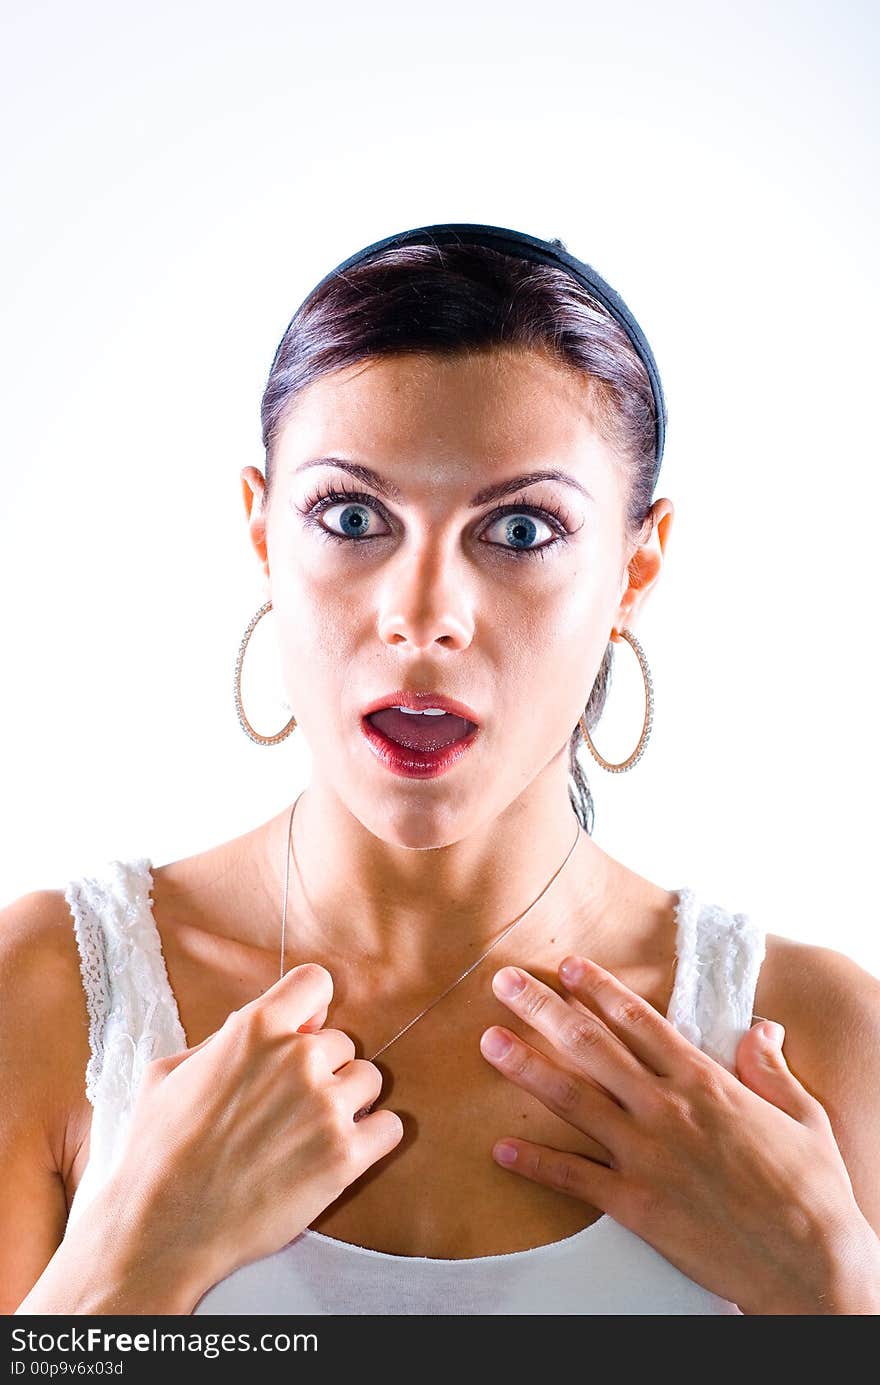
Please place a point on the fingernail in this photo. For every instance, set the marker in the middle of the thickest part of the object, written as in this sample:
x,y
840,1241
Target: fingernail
x,y
572,970
774,1032
495,1043
505,1154
509,982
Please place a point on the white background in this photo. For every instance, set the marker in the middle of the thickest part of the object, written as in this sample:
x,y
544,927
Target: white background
x,y
176,177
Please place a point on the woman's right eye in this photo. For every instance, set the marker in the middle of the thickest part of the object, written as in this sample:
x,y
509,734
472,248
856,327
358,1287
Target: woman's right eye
x,y
354,519
357,510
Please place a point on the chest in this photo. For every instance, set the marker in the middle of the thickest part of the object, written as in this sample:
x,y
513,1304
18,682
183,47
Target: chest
x,y
439,1193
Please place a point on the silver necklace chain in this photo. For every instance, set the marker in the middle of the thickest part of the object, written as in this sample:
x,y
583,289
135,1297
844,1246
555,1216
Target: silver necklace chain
x,y
464,973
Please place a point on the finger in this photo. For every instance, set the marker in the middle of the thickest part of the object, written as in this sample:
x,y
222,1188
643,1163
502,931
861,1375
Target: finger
x,y
563,1092
382,1131
336,1046
563,1170
585,1044
635,1022
761,1065
300,994
361,1082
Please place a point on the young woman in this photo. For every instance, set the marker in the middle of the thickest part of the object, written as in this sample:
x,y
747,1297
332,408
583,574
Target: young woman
x,y
463,430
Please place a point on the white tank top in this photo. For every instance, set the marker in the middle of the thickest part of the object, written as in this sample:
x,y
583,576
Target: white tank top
x,y
603,1269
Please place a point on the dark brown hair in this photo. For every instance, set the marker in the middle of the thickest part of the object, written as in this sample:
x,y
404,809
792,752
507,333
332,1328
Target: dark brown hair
x,y
460,299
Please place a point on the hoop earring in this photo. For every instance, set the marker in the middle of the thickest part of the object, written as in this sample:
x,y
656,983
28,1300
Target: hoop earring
x,y
245,724
646,725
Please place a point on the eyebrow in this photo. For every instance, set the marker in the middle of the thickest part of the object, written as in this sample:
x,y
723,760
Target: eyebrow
x,y
391,491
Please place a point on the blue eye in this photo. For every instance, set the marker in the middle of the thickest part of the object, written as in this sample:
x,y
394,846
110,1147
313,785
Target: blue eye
x,y
357,509
354,519
520,530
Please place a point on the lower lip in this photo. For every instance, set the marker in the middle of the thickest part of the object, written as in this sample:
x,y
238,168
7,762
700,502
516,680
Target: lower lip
x,y
415,764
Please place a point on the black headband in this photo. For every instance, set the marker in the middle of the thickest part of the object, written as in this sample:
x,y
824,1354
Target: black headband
x,y
539,252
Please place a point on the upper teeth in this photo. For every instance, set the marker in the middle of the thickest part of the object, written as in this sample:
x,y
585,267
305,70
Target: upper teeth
x,y
423,712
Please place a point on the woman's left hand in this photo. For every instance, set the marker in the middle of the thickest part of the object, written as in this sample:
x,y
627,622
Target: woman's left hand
x,y
737,1180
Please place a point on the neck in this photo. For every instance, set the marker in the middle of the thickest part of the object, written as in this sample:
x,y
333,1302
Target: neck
x,y
415,895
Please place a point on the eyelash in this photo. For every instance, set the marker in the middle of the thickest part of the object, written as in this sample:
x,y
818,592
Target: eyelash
x,y
321,500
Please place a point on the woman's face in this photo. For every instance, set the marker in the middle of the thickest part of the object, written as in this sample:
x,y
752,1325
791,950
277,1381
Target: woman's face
x,y
506,604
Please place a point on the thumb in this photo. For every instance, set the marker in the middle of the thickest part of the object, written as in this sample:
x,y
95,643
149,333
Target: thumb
x,y
761,1065
160,1067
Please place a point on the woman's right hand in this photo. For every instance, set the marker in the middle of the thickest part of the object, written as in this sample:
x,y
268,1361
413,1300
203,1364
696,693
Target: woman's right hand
x,y
236,1144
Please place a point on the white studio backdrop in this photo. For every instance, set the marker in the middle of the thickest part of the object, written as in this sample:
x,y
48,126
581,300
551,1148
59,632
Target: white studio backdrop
x,y
178,176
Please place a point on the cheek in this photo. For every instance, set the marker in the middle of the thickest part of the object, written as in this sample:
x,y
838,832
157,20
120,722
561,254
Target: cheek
x,y
320,665
555,649
570,624
320,643
317,633
318,605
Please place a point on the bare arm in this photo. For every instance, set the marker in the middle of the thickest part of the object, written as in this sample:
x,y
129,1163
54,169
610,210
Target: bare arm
x,y
830,1007
109,1264
234,1145
119,1256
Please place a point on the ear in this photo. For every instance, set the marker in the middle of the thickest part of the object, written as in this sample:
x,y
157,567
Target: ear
x,y
645,564
253,485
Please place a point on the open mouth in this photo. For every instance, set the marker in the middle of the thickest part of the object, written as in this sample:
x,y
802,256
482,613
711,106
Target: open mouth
x,y
420,745
425,731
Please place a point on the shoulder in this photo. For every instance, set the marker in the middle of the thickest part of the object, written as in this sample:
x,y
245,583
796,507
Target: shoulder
x,y
44,1032
817,992
830,1008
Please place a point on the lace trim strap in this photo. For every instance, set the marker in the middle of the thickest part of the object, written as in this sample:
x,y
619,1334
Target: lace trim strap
x,y
91,944
133,1013
719,956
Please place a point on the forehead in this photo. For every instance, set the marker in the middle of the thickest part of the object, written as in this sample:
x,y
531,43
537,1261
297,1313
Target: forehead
x,y
486,410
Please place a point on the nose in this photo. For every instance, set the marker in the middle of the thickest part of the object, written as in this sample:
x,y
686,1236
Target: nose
x,y
424,602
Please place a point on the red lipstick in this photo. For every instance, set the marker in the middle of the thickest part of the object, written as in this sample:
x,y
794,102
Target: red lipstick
x,y
419,743
417,700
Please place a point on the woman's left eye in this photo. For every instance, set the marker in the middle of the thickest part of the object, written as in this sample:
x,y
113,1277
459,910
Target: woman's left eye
x,y
520,528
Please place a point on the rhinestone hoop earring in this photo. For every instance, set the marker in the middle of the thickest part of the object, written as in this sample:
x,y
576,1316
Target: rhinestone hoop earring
x,y
646,725
245,724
